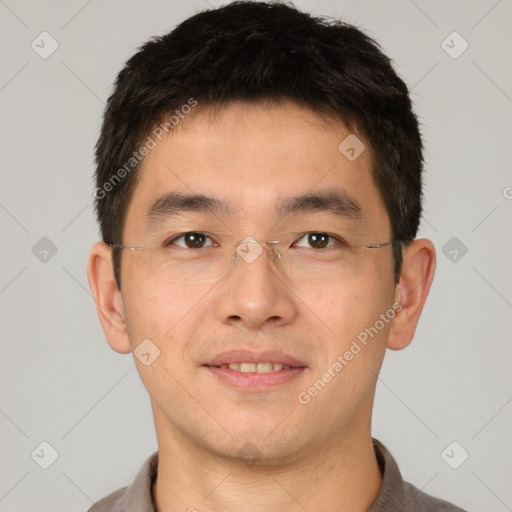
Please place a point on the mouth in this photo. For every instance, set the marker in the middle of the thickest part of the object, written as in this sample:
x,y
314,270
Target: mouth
x,y
255,367
245,370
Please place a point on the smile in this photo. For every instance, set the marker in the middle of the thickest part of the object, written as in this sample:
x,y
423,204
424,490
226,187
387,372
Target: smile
x,y
255,367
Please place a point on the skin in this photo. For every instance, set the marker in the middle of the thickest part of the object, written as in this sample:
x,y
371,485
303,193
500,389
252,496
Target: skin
x,y
317,456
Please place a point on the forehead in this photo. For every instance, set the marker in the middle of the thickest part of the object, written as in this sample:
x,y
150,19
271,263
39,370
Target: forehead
x,y
253,157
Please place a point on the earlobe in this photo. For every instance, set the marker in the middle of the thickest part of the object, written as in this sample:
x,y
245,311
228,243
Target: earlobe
x,y
107,297
411,292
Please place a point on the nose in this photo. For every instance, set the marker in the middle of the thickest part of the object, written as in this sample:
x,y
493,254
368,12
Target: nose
x,y
254,293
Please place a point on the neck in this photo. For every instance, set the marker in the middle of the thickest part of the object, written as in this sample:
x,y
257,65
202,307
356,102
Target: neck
x,y
343,476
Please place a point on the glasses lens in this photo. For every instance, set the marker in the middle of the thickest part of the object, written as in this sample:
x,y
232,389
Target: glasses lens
x,y
314,260
331,264
203,264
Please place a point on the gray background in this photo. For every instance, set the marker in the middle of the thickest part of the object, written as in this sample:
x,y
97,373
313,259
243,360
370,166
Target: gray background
x,y
62,383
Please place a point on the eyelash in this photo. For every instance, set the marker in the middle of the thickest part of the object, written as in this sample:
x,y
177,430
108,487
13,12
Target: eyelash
x,y
340,241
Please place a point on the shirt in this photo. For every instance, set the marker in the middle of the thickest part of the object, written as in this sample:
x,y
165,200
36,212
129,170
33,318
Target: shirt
x,y
395,495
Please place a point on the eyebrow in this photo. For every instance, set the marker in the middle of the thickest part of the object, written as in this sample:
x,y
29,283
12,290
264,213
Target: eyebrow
x,y
336,202
176,203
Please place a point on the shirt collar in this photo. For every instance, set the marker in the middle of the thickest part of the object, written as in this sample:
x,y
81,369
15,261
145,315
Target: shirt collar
x,y
138,497
390,496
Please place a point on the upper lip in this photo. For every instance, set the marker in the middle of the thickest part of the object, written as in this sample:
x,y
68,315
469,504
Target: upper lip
x,y
251,356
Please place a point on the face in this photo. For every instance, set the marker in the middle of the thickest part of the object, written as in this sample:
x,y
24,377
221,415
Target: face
x,y
268,171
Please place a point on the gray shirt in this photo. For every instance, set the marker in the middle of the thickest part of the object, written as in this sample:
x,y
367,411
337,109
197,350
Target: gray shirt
x,y
395,495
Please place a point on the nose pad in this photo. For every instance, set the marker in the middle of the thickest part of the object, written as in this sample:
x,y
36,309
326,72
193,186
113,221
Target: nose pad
x,y
275,255
251,249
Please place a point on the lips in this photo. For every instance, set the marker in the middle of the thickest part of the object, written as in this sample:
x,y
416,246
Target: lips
x,y
255,367
250,360
252,371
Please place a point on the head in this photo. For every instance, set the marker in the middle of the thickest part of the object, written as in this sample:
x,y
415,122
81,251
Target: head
x,y
235,124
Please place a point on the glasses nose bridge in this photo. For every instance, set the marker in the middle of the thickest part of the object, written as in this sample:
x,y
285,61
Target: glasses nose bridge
x,y
249,249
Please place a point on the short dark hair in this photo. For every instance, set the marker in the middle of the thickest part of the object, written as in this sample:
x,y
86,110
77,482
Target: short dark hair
x,y
254,51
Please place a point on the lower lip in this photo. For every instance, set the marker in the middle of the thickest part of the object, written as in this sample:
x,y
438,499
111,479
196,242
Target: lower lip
x,y
253,381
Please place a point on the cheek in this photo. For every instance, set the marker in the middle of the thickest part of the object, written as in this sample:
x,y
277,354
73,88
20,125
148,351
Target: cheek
x,y
355,348
353,309
168,316
157,310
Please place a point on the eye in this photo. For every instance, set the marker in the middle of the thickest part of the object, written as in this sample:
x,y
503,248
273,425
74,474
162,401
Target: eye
x,y
191,240
317,241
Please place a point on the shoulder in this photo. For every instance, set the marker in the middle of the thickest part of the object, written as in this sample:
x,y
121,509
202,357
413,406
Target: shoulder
x,y
135,497
417,501
397,495
114,502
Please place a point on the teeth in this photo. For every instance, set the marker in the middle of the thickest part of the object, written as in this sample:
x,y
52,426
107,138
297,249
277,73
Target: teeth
x,y
247,367
263,367
255,367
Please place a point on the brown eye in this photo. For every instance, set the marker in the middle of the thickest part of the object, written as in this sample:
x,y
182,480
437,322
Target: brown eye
x,y
315,241
191,240
318,240
194,240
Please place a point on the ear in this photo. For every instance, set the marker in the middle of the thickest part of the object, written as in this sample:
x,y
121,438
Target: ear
x,y
419,263
109,304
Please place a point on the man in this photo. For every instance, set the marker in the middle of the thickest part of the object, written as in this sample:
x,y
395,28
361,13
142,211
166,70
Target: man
x,y
259,194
